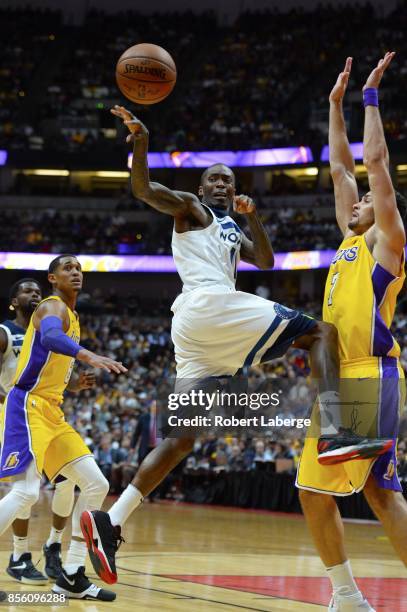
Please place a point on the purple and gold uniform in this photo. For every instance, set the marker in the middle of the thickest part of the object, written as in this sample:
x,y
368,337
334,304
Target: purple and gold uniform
x,y
33,427
360,300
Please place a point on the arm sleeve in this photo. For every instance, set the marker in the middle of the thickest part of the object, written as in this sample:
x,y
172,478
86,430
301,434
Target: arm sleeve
x,y
53,337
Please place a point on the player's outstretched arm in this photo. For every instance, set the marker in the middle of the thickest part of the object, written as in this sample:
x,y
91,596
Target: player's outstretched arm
x,y
375,156
51,320
257,251
340,157
174,203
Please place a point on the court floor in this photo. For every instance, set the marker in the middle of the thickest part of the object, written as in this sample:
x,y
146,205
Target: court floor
x,y
181,557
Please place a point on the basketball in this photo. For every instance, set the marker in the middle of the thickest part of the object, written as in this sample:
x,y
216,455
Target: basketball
x,y
146,74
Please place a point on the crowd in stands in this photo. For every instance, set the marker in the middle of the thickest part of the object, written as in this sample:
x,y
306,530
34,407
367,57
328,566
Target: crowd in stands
x,y
260,81
54,232
116,418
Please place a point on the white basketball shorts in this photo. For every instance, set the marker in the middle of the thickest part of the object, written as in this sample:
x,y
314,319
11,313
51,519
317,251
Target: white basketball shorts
x,y
216,331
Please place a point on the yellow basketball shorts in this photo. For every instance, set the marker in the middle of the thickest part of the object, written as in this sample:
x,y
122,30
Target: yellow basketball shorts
x,y
33,428
376,411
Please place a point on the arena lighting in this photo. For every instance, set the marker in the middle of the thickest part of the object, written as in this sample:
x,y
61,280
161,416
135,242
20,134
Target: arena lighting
x,y
310,171
300,172
46,172
3,157
284,156
402,168
355,147
110,174
296,260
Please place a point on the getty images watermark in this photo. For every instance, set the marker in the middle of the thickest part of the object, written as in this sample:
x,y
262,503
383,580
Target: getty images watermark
x,y
258,404
224,401
235,405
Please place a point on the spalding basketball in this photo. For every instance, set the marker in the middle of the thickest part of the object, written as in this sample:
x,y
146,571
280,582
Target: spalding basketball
x,y
146,74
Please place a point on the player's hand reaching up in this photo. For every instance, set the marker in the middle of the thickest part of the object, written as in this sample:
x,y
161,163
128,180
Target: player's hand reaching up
x,y
243,205
376,75
341,84
136,128
101,363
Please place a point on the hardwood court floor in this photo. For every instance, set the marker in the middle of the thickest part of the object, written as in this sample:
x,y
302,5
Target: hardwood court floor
x,y
186,558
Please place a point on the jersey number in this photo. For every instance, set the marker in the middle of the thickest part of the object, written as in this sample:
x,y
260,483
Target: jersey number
x,y
333,285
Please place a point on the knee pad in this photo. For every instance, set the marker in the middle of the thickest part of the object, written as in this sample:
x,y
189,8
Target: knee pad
x,y
64,497
26,493
101,485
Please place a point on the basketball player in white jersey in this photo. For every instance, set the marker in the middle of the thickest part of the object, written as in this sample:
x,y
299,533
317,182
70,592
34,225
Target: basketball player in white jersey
x,y
216,330
24,297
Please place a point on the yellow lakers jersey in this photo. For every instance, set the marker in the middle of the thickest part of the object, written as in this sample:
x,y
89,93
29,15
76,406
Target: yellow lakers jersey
x,y
40,371
360,299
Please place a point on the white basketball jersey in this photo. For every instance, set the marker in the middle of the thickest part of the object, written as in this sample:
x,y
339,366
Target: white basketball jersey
x,y
209,256
15,336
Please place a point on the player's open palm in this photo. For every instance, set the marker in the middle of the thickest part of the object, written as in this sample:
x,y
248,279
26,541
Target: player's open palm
x,y
376,75
341,84
100,362
243,205
136,128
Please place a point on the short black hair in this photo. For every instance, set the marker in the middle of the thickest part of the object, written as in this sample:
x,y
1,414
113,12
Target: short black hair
x,y
401,201
205,172
55,262
17,285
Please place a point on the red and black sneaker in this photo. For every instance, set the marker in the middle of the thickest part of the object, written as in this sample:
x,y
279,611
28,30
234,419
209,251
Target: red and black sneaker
x,y
103,540
346,445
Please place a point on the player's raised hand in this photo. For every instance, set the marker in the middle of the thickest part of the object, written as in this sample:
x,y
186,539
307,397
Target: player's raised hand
x,y
100,362
136,128
374,78
243,205
338,90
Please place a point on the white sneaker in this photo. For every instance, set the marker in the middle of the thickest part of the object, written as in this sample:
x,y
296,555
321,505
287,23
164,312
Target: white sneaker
x,y
349,603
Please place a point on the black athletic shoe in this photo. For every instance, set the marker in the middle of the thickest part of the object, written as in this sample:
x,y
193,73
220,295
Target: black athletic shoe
x,y
102,540
78,586
25,571
348,446
53,561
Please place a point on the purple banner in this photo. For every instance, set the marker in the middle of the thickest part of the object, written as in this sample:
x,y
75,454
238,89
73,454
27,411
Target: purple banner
x,y
296,260
3,157
355,147
237,159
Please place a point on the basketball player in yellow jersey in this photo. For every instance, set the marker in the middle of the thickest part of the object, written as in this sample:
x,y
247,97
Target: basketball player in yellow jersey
x,y
34,434
364,279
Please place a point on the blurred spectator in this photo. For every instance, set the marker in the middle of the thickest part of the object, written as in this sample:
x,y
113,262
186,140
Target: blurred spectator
x,y
256,106
52,231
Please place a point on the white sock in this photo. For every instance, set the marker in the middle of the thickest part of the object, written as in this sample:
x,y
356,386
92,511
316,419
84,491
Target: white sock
x,y
341,577
20,546
55,536
330,411
128,501
75,557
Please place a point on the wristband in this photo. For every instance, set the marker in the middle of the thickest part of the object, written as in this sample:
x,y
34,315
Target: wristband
x,y
370,97
54,339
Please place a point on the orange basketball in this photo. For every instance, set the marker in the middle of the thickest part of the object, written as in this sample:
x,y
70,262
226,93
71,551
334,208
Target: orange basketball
x,y
146,74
